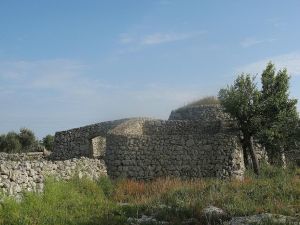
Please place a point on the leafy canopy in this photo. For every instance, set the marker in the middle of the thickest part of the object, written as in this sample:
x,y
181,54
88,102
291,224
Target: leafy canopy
x,y
241,101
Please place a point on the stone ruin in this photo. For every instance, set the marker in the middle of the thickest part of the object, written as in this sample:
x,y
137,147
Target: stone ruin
x,y
195,142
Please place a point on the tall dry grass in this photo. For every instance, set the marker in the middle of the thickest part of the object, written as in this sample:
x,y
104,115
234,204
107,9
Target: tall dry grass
x,y
174,200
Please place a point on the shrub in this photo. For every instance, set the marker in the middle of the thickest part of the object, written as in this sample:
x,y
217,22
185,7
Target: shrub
x,y
11,143
27,138
48,142
24,141
106,185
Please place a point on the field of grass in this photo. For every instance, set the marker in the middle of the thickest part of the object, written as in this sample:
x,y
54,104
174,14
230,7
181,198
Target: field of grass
x,y
85,202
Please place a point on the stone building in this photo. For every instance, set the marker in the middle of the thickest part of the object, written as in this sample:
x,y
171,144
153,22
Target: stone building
x,y
195,142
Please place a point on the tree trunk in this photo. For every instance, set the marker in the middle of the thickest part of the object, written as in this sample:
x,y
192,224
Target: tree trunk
x,y
253,155
245,153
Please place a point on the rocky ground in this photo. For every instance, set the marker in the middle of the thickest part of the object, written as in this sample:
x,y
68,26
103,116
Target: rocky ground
x,y
213,215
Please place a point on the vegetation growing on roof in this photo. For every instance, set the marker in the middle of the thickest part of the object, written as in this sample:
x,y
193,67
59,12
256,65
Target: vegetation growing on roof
x,y
208,100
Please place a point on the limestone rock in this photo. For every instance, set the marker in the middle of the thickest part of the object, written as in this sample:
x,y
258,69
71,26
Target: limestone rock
x,y
214,215
264,218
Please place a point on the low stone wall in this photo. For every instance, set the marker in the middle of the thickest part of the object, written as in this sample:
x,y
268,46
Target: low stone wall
x,y
22,156
18,175
187,156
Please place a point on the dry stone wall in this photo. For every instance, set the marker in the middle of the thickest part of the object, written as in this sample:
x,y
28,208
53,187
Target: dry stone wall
x,y
196,142
186,149
78,142
145,149
18,173
147,157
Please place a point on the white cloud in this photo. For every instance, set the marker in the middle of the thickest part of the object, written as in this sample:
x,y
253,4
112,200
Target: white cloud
x,y
66,76
72,78
290,61
126,38
53,95
160,38
251,41
59,76
157,38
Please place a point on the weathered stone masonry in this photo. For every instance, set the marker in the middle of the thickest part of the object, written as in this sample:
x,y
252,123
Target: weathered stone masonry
x,y
186,155
195,142
144,148
27,172
80,141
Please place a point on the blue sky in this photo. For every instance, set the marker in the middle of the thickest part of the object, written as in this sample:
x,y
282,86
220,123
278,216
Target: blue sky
x,y
68,63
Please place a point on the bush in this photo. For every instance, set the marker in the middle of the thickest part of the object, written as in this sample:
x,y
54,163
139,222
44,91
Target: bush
x,y
27,138
11,143
48,142
106,186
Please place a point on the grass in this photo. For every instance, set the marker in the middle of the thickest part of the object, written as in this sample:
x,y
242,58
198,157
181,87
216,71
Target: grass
x,y
209,100
87,202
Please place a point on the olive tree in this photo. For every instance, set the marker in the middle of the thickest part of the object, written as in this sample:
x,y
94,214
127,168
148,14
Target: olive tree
x,y
48,142
11,143
268,114
241,101
27,138
279,113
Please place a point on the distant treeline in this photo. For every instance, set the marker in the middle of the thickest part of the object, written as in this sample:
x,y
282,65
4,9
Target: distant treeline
x,y
24,141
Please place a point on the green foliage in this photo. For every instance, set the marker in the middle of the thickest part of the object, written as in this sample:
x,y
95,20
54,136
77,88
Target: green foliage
x,y
27,138
11,143
279,112
241,101
73,202
267,114
106,185
81,201
48,142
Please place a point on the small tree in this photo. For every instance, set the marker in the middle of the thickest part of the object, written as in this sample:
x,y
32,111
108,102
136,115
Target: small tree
x,y
241,101
27,138
12,143
48,142
279,113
